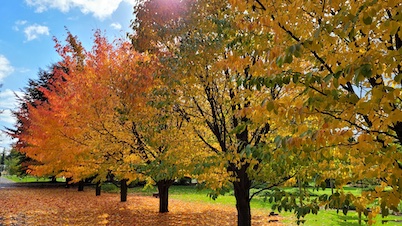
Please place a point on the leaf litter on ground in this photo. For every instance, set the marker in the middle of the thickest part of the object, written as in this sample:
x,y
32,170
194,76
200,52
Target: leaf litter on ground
x,y
61,206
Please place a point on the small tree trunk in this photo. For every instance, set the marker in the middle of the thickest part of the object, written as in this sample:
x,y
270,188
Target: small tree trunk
x,y
163,189
242,194
98,189
68,180
123,190
53,179
81,185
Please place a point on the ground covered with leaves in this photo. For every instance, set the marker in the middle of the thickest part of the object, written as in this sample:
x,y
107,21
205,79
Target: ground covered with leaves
x,y
61,206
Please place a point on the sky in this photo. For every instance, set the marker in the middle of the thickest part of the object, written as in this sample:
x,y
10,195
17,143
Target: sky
x,y
27,29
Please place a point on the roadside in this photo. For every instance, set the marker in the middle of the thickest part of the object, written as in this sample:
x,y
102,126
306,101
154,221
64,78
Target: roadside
x,y
4,182
7,183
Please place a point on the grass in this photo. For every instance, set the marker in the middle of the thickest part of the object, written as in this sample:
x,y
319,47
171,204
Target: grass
x,y
193,194
29,179
324,217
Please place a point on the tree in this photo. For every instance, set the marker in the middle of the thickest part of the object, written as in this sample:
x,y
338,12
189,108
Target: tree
x,y
32,96
125,117
213,76
351,73
3,157
84,112
13,164
104,115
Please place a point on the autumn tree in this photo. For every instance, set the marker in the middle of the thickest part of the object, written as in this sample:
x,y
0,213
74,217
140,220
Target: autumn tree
x,y
105,113
352,78
94,113
212,70
32,96
42,138
131,121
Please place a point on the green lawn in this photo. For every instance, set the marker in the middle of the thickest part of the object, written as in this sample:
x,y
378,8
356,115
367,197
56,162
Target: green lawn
x,y
324,217
28,179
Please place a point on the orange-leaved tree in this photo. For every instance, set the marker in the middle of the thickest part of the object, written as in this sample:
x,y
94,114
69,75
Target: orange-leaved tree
x,y
81,106
110,109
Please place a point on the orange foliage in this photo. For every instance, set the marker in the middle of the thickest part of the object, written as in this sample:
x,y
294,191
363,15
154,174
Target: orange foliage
x,y
83,129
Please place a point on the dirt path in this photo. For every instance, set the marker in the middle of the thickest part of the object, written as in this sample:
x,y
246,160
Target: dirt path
x,y
60,206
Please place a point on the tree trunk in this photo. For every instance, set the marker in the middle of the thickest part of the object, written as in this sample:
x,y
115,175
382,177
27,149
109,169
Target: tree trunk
x,y
81,185
242,194
68,180
163,189
53,179
98,189
123,190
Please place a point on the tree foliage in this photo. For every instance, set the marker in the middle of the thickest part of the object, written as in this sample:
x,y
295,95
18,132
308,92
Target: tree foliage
x,y
214,72
347,56
105,116
239,94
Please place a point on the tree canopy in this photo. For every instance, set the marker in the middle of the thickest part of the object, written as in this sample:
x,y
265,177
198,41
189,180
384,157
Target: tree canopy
x,y
238,94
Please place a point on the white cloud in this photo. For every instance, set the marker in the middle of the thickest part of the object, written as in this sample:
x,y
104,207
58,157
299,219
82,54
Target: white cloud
x,y
98,8
23,70
8,103
34,31
73,18
116,26
5,141
8,99
5,67
19,23
6,117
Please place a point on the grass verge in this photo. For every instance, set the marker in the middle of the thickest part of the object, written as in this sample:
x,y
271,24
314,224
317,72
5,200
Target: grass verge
x,y
29,179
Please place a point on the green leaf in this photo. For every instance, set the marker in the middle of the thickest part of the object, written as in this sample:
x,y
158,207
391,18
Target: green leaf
x,y
367,20
277,140
279,61
270,106
366,71
335,81
288,58
398,77
286,80
292,49
238,129
328,78
295,78
297,54
337,74
268,82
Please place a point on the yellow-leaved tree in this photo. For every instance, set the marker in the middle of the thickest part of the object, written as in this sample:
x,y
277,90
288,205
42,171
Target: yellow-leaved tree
x,y
213,66
351,78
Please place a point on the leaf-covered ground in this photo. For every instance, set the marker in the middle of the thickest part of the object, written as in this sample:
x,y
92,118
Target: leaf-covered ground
x,y
61,206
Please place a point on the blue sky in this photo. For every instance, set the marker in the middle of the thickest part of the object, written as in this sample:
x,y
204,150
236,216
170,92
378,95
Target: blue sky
x,y
26,39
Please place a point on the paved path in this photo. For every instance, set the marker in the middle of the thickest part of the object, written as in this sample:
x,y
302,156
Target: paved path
x,y
4,182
